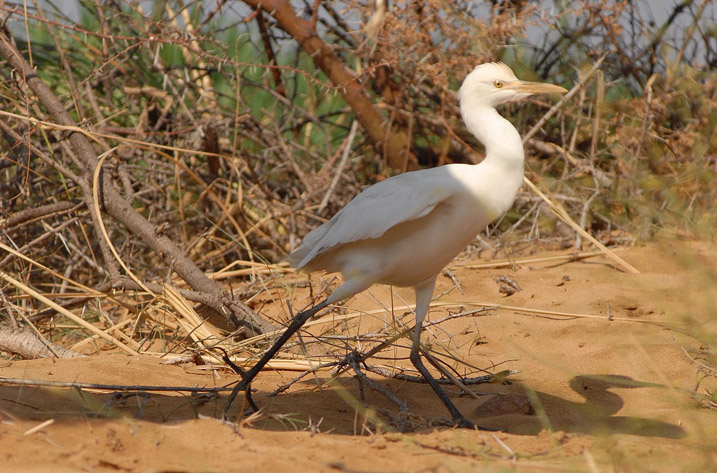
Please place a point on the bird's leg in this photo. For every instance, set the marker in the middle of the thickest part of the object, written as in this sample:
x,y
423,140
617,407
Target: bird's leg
x,y
424,292
247,376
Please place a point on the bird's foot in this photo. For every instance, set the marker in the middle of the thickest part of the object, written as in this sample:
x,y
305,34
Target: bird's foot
x,y
246,388
463,423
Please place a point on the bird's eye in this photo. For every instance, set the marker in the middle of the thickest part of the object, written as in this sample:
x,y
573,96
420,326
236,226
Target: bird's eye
x,y
498,84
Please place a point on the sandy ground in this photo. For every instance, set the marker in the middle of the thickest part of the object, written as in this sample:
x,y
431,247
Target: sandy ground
x,y
606,395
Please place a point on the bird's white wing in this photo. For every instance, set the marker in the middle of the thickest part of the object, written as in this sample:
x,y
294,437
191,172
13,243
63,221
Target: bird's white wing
x,y
377,209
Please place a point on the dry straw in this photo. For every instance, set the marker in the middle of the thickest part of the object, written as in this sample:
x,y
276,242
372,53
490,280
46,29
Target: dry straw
x,y
236,160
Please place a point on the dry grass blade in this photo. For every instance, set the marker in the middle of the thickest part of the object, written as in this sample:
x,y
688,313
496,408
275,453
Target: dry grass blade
x,y
287,364
61,310
563,215
555,206
508,262
39,427
490,306
93,337
97,136
564,100
201,331
100,222
254,268
548,313
89,291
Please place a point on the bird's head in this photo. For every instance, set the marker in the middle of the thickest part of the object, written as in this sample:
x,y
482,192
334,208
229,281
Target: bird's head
x,y
495,83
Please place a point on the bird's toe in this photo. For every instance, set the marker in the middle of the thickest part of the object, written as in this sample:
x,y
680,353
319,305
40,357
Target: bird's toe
x,y
464,423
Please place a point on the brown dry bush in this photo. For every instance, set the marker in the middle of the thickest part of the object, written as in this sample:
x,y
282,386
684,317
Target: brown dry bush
x,y
233,142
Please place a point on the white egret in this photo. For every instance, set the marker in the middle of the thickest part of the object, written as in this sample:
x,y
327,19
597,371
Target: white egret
x,y
402,231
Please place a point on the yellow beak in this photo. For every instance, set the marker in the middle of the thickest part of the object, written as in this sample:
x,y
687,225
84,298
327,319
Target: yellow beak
x,y
535,87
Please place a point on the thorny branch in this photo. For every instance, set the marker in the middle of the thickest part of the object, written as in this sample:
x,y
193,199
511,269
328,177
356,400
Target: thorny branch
x,y
117,207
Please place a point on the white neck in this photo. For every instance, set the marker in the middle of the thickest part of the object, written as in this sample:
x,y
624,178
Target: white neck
x,y
501,140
